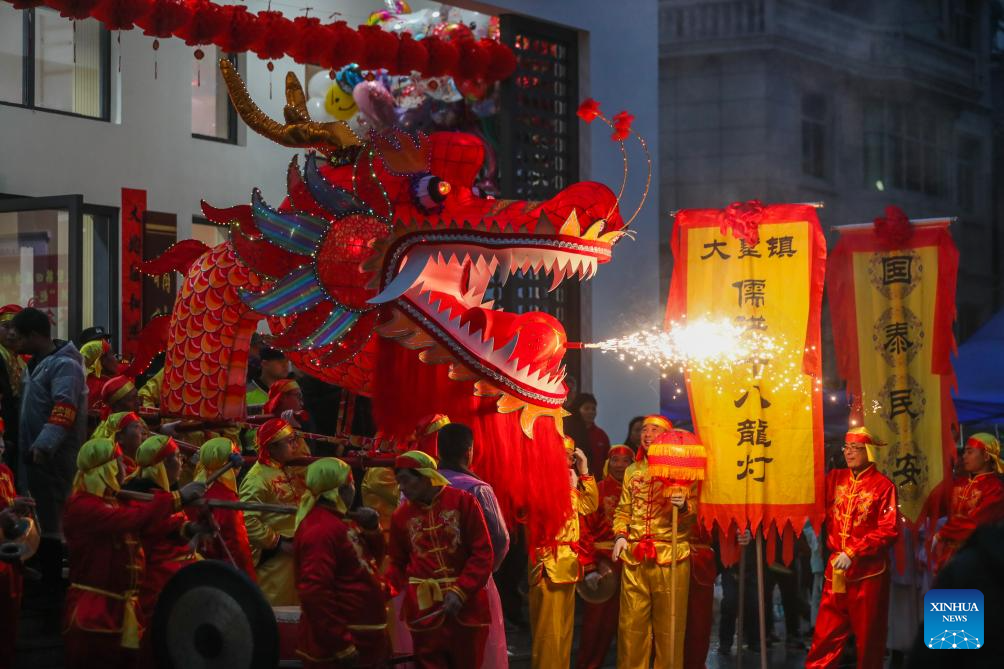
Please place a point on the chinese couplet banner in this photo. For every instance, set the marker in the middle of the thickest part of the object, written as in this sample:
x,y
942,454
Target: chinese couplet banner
x,y
133,211
893,304
761,421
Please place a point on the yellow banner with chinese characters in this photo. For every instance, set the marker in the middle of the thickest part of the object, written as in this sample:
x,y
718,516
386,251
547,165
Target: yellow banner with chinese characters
x,y
893,304
760,419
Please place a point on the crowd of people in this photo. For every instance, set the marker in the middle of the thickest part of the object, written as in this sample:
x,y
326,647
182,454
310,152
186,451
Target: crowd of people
x,y
414,557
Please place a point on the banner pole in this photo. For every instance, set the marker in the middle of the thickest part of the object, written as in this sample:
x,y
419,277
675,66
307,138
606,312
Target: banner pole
x,y
760,599
742,607
914,221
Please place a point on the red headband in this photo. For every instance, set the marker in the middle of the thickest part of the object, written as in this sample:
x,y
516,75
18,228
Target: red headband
x,y
619,450
272,430
276,391
853,438
170,447
973,442
402,462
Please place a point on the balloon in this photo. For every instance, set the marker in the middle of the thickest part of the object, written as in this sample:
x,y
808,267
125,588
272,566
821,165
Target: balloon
x,y
315,107
318,85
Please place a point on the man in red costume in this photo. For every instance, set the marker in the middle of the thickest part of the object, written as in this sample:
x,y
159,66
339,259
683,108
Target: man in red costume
x,y
441,555
229,541
599,621
700,599
977,497
11,527
165,544
342,595
102,625
862,523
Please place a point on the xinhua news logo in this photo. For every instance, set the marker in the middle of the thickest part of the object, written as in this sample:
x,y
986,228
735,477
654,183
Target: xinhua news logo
x,y
953,619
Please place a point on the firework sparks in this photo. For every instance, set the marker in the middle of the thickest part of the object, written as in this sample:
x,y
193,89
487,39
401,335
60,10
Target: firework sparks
x,y
716,349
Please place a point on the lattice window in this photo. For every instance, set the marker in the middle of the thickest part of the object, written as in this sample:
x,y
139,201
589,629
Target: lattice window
x,y
539,152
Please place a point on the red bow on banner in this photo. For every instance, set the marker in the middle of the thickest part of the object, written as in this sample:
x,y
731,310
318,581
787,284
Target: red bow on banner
x,y
893,229
622,126
743,220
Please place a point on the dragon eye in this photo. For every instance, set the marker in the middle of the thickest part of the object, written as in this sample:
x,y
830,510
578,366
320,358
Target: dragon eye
x,y
429,192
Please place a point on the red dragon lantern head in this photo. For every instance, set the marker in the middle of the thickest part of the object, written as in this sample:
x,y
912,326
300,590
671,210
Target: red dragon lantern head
x,y
388,236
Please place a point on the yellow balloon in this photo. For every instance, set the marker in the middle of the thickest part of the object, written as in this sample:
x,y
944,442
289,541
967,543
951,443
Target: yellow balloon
x,y
340,104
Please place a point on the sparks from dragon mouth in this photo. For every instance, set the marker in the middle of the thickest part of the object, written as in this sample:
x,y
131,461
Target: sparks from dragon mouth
x,y
447,284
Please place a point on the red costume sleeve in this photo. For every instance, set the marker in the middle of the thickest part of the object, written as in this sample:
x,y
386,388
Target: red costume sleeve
x,y
398,548
885,533
478,568
235,535
103,518
990,509
316,550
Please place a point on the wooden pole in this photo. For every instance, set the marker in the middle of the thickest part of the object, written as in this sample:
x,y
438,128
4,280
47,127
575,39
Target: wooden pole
x,y
672,594
742,607
760,600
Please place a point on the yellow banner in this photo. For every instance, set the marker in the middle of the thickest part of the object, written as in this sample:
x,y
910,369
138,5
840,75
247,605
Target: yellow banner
x,y
891,335
760,420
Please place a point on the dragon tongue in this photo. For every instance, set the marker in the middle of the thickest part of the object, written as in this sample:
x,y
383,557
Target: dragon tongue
x,y
539,338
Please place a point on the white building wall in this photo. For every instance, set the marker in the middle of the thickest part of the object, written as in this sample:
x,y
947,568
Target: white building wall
x,y
149,145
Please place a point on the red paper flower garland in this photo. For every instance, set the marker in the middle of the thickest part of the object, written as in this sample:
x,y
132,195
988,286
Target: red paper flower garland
x,y
270,35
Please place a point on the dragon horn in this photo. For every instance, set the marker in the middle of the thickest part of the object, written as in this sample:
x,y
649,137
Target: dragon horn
x,y
299,131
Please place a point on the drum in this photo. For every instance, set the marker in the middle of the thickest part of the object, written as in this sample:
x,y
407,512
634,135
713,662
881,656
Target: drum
x,y
287,620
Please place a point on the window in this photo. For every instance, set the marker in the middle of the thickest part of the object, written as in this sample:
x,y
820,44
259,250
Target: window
x,y
963,17
213,116
207,232
59,255
904,148
814,123
540,155
967,171
51,63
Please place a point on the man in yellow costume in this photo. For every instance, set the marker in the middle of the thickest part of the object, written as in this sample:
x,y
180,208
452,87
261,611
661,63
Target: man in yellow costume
x,y
271,481
556,569
656,563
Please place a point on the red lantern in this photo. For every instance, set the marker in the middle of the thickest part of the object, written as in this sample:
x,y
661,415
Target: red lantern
x,y
120,14
379,48
69,9
239,31
346,45
473,60
443,57
204,21
275,33
412,56
164,18
310,42
501,60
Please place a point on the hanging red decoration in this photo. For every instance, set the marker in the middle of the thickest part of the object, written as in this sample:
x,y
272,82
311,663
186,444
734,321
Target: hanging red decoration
x,y
26,4
69,9
501,62
311,43
379,48
443,56
239,31
346,45
412,56
164,18
473,60
204,21
275,35
450,50
120,14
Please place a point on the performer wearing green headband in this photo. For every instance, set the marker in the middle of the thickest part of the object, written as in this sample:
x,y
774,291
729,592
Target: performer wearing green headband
x,y
342,594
